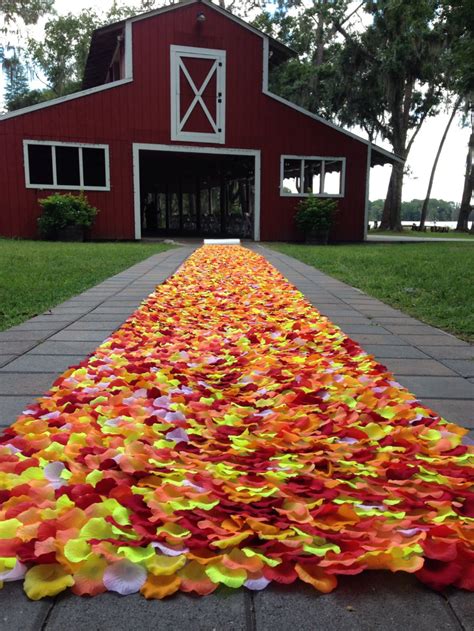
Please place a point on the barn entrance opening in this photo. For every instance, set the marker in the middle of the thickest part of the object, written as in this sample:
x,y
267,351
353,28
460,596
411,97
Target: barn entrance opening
x,y
197,194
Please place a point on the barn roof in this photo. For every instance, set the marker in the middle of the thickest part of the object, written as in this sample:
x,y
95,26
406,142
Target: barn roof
x,y
104,42
102,49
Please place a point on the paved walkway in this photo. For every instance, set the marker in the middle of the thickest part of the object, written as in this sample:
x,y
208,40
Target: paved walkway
x,y
386,238
436,366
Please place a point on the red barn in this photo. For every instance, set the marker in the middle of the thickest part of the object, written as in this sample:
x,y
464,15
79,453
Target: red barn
x,y
176,133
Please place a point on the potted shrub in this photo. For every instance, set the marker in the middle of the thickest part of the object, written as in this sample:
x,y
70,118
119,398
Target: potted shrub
x,y
314,217
65,217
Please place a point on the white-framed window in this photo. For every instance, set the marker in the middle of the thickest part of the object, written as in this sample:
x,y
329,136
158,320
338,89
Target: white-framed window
x,y
302,176
197,94
64,165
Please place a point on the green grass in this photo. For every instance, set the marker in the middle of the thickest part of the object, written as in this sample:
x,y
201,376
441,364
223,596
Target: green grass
x,y
36,275
428,235
430,281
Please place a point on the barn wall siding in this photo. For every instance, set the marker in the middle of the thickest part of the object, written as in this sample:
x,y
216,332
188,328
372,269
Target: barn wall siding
x,y
139,112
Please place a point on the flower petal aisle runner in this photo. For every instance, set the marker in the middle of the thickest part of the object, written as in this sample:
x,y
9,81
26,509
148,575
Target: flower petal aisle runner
x,y
228,433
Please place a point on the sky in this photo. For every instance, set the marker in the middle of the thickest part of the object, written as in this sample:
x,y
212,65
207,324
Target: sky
x,y
449,180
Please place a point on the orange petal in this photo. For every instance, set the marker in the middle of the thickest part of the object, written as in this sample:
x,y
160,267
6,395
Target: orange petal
x,y
316,577
160,586
88,579
194,579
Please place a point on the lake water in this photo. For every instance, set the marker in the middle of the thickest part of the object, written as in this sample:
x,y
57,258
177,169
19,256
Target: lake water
x,y
450,224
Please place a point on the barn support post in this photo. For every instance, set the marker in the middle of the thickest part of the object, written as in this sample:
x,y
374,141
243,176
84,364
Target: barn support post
x,y
367,190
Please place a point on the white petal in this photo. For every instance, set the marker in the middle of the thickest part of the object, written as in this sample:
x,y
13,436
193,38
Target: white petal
x,y
178,435
51,415
257,584
171,417
11,448
113,422
124,577
170,552
53,470
15,574
162,402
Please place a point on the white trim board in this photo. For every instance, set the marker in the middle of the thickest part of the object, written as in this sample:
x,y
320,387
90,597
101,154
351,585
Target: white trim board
x,y
65,187
137,147
63,99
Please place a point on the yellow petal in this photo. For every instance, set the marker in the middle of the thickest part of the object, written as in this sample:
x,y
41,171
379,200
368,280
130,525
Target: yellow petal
x,y
46,580
161,565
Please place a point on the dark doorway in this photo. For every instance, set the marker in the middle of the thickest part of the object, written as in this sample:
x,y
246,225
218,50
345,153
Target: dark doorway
x,y
196,194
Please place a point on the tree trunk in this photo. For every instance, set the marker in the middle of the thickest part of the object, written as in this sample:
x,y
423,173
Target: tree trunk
x,y
400,111
318,57
465,210
424,208
392,208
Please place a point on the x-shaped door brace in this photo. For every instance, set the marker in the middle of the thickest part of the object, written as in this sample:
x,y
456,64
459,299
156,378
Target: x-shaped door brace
x,y
198,95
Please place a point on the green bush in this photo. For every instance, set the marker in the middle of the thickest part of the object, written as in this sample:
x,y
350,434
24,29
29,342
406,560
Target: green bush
x,y
315,214
64,209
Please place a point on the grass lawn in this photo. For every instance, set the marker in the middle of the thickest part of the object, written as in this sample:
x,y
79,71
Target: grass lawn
x,y
430,281
428,235
36,275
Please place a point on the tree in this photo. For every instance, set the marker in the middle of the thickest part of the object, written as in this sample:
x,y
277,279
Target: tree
x,y
424,209
459,16
240,7
29,11
309,29
17,83
388,81
61,54
12,14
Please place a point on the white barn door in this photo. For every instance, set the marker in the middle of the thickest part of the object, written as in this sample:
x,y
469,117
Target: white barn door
x,y
197,94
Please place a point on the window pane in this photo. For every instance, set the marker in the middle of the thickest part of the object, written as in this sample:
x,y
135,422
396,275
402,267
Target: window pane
x,y
312,176
40,164
332,177
67,166
93,162
291,176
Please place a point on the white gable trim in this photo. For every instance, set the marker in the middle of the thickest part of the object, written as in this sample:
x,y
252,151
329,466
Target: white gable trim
x,y
64,99
128,50
137,147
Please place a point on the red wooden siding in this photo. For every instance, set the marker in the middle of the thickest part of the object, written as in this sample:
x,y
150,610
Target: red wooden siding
x,y
139,112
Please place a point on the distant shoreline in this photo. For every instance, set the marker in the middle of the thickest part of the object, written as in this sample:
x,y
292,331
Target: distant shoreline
x,y
428,224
